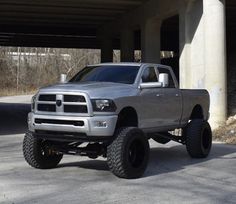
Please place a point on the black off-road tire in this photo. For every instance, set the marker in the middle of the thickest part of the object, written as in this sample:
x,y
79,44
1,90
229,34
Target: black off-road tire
x,y
128,154
198,137
36,156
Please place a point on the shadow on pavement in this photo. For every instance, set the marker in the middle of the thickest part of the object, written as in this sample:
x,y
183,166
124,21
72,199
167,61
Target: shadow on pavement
x,y
13,118
162,159
88,164
165,160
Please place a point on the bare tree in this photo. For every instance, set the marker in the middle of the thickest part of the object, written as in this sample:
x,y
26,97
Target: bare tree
x,y
24,70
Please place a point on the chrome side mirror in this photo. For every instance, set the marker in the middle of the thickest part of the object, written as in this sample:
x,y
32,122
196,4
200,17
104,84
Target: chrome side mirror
x,y
150,85
164,79
63,78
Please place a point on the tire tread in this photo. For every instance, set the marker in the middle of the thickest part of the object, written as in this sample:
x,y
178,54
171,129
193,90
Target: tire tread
x,y
115,156
33,157
193,138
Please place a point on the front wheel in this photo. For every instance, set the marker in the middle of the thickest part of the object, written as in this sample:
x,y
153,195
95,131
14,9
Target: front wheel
x,y
38,154
198,138
128,154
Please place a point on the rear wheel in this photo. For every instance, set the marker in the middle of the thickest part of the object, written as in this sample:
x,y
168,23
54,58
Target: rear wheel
x,y
38,154
198,138
128,154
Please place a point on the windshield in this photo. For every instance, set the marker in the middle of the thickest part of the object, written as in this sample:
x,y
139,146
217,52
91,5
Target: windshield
x,y
106,73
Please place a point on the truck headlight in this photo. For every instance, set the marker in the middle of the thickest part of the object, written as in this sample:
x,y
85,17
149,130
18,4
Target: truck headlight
x,y
103,105
33,100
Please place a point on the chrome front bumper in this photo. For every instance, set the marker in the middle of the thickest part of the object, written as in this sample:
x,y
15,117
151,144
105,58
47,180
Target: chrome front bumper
x,y
91,126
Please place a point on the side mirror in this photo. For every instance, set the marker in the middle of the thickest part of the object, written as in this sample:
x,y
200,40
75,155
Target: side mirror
x,y
150,85
63,78
164,79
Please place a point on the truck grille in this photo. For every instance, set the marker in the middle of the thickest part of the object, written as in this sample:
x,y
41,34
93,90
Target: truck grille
x,y
74,98
59,122
62,103
47,107
75,109
47,97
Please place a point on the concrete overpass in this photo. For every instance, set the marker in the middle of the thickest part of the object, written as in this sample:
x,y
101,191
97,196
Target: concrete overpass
x,y
196,30
63,23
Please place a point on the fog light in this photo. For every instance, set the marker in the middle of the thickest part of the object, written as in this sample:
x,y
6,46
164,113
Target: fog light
x,y
100,123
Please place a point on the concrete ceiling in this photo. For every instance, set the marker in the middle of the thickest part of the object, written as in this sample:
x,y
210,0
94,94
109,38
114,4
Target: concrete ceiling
x,y
58,23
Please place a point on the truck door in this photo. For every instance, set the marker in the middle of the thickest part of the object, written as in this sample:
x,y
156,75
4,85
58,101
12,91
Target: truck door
x,y
150,102
171,99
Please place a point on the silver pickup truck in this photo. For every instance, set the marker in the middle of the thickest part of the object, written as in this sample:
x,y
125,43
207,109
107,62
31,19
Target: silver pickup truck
x,y
112,110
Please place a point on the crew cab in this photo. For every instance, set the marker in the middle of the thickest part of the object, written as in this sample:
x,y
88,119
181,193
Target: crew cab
x,y
112,110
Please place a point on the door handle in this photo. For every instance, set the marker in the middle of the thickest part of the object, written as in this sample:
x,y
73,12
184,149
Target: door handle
x,y
158,95
177,95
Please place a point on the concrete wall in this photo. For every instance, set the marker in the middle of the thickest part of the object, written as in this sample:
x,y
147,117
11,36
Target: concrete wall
x,y
203,53
192,55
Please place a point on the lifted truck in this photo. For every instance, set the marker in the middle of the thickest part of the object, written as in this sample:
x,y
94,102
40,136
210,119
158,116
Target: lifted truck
x,y
112,110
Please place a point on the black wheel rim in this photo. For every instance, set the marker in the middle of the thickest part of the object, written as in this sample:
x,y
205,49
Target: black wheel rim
x,y
136,153
45,149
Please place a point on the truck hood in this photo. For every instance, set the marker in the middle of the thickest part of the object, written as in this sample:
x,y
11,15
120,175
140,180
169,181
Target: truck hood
x,y
93,89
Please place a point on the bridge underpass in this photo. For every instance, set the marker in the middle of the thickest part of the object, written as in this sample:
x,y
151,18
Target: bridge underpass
x,y
69,24
195,30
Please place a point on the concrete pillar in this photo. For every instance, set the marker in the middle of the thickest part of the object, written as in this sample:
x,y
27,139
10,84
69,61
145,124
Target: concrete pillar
x,y
106,49
184,47
150,41
127,45
215,58
203,53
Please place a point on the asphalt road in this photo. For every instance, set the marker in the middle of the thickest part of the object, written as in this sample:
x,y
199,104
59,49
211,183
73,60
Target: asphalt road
x,y
171,177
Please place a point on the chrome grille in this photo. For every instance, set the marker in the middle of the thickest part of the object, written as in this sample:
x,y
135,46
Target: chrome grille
x,y
62,103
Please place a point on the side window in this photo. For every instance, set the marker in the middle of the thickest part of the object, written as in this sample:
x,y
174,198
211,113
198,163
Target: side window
x,y
166,71
149,75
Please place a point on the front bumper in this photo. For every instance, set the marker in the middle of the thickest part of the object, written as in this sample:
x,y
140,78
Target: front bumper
x,y
96,126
